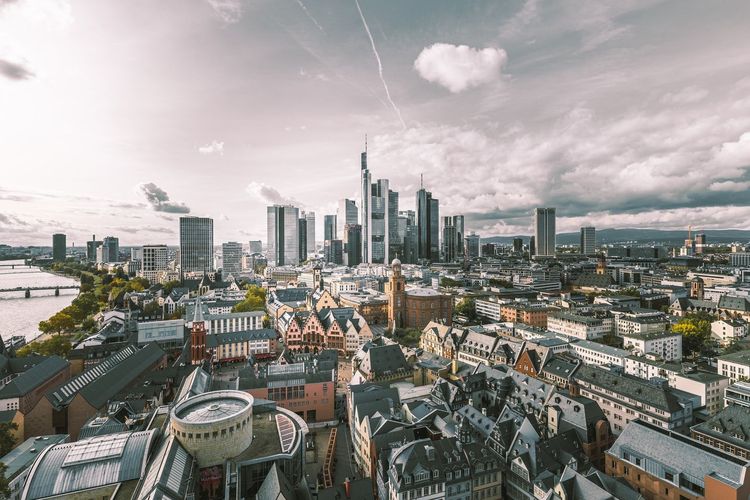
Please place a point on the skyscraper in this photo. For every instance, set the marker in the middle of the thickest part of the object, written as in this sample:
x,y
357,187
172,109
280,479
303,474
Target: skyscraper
x,y
408,224
588,240
517,245
472,243
379,222
333,251
283,235
231,258
111,249
255,246
196,244
310,217
302,238
346,214
428,226
395,240
329,227
544,229
364,205
153,260
59,247
91,247
352,244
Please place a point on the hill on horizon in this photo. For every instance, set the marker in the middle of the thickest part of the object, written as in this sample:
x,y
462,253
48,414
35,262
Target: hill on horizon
x,y
633,235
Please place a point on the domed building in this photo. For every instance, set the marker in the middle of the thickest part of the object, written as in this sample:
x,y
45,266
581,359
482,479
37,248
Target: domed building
x,y
414,307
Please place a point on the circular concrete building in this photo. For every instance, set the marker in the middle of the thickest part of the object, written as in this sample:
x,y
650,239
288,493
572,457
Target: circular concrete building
x,y
214,426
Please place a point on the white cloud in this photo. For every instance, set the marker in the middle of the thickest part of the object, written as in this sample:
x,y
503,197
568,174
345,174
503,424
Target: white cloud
x,y
269,195
459,67
229,11
688,95
729,186
214,147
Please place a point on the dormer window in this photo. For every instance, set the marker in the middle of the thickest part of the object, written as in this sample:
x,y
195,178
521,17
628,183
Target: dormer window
x,y
435,474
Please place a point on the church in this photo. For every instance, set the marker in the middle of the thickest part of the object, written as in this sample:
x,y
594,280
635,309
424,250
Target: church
x,y
415,307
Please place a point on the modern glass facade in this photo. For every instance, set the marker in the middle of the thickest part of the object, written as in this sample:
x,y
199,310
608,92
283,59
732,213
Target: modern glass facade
x,y
329,227
283,235
346,214
544,225
196,244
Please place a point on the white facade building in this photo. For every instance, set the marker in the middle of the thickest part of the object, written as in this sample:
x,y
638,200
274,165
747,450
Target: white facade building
x,y
667,346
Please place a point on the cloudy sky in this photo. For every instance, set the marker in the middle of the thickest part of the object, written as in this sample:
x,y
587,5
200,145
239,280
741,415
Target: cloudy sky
x,y
117,117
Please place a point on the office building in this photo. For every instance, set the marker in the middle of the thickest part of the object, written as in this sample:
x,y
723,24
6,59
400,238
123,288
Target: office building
x,y
365,205
59,247
345,214
302,238
428,226
588,240
110,250
471,244
329,227
517,245
453,238
231,255
395,239
283,235
333,251
544,230
91,247
255,246
154,259
532,246
700,242
136,254
375,216
352,245
196,244
310,217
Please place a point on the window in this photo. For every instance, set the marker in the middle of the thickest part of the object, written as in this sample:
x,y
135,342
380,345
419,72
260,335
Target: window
x,y
669,476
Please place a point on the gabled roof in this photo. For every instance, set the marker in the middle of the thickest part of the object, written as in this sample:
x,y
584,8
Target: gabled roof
x,y
168,472
32,378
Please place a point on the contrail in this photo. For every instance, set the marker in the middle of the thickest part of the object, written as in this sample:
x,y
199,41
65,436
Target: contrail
x,y
380,66
315,21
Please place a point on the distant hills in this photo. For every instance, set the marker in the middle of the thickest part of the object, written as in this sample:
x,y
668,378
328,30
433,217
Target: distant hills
x,y
638,236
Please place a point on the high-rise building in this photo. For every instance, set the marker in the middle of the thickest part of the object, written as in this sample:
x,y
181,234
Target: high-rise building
x,y
333,251
310,217
110,250
91,247
346,214
329,227
302,238
588,240
700,242
59,247
472,242
375,216
428,226
283,235
196,244
352,244
255,246
453,238
544,228
517,245
532,246
231,258
365,205
395,239
136,254
153,260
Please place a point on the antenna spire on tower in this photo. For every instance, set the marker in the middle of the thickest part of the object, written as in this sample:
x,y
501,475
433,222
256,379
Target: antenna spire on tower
x,y
421,181
365,142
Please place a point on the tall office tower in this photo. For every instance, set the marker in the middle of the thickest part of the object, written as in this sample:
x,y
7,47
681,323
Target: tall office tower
x,y
154,259
231,256
346,214
449,240
310,217
365,205
379,222
333,251
588,240
136,253
111,249
517,245
411,217
352,244
283,235
428,224
544,227
196,244
700,242
411,245
329,227
472,246
302,238
459,224
532,246
255,246
59,247
91,247
395,240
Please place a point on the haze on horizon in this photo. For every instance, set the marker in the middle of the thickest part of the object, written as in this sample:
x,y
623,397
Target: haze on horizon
x,y
118,117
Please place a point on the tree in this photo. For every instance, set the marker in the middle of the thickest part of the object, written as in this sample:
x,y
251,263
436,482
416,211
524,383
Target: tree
x,y
53,346
152,308
58,323
169,286
695,330
4,486
255,300
467,308
449,283
500,283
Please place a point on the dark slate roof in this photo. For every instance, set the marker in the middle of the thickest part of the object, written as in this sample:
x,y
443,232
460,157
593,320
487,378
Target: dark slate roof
x,y
7,416
98,384
33,377
739,357
560,367
732,425
383,360
216,339
734,303
275,486
291,294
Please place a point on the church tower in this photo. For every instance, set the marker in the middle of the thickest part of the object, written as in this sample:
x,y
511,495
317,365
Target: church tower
x,y
396,296
198,335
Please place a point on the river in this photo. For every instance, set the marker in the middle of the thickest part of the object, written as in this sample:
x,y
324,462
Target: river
x,y
21,316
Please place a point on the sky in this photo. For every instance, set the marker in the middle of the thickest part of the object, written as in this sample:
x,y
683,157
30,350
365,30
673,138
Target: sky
x,y
118,117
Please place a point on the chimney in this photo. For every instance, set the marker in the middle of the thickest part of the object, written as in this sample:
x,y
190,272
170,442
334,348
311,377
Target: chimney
x,y
348,488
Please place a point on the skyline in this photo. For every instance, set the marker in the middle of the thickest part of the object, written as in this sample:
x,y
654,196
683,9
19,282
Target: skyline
x,y
116,123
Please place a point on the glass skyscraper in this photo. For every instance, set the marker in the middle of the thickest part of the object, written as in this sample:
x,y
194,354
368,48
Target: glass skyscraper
x,y
428,226
283,235
544,231
196,244
231,258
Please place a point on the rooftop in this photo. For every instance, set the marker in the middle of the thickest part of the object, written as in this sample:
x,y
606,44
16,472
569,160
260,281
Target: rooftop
x,y
212,406
741,357
20,457
597,347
